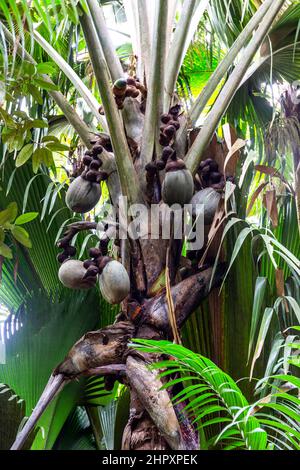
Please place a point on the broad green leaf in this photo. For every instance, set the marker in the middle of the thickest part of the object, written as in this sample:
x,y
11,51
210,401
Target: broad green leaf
x,y
28,69
21,235
57,147
37,159
41,155
9,214
54,195
24,218
5,251
24,155
7,118
45,84
34,91
50,138
295,306
46,67
37,123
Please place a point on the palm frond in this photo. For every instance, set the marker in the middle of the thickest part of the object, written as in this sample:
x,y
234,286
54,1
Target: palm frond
x,y
36,340
213,395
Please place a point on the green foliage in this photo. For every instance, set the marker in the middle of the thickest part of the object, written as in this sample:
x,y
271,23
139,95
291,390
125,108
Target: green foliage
x,y
213,399
10,225
50,326
76,433
12,413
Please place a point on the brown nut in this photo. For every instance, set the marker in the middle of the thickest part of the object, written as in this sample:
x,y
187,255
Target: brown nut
x,y
131,81
160,165
95,164
170,131
165,118
92,176
164,140
87,160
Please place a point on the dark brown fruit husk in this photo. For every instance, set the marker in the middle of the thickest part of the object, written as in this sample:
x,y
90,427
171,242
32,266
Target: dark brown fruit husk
x,y
165,118
175,110
87,263
92,271
97,149
205,170
131,92
150,168
63,242
87,160
95,165
103,262
136,93
61,257
102,176
160,165
218,185
164,140
106,143
170,131
71,250
118,92
176,124
167,152
95,252
131,81
175,165
213,166
215,177
104,245
92,176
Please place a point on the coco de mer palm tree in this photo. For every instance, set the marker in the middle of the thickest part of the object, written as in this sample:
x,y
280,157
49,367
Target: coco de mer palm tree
x,y
146,155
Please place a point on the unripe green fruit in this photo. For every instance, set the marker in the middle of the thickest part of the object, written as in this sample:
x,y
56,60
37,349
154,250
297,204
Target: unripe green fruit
x,y
82,195
71,275
114,282
178,187
206,200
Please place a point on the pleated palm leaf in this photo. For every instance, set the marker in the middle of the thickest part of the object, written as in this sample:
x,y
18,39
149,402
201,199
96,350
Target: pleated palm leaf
x,y
76,433
213,398
12,413
50,326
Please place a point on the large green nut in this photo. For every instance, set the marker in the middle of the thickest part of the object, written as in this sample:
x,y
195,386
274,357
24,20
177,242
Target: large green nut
x,y
178,187
71,275
205,201
82,195
114,282
121,83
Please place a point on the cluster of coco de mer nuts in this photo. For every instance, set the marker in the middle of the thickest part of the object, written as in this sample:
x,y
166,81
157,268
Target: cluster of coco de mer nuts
x,y
209,176
113,278
82,196
127,88
178,185
85,191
